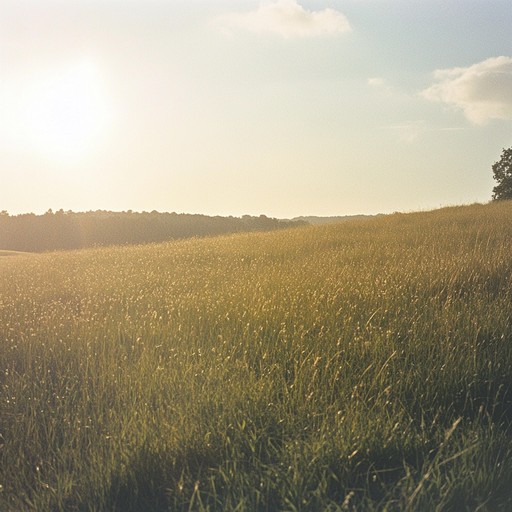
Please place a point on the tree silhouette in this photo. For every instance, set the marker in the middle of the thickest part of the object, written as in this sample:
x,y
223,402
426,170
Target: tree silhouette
x,y
502,171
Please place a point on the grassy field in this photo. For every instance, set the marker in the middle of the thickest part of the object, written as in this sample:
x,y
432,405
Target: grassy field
x,y
359,366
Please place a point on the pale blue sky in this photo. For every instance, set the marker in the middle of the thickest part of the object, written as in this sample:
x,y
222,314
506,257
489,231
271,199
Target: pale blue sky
x,y
234,107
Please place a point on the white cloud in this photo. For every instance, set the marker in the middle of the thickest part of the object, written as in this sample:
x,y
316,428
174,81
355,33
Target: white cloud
x,y
483,91
287,19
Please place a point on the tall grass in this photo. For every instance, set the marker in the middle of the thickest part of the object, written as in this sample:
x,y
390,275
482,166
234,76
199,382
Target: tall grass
x,y
359,366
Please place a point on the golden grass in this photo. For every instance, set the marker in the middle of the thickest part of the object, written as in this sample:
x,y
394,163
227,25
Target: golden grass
x,y
359,366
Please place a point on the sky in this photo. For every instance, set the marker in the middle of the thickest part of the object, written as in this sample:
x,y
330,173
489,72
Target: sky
x,y
232,107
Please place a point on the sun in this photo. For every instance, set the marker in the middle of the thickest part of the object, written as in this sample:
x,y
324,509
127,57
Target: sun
x,y
66,114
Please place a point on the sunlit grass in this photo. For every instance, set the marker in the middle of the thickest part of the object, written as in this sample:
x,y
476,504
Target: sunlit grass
x,y
360,366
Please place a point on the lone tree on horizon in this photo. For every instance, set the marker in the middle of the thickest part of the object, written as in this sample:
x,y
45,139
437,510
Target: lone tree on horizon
x,y
502,171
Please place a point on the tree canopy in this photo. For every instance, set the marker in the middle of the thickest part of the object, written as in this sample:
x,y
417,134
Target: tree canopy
x,y
502,171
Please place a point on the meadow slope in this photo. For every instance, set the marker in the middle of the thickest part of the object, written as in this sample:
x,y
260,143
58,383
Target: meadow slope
x,y
359,366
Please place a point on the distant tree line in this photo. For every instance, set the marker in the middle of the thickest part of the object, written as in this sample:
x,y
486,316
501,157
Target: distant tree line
x,y
62,230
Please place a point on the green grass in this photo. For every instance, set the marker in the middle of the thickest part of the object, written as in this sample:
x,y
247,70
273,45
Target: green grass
x,y
359,366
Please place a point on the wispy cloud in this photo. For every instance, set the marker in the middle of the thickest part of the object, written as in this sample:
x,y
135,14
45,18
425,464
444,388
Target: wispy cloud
x,y
483,91
381,85
285,18
376,82
410,131
407,132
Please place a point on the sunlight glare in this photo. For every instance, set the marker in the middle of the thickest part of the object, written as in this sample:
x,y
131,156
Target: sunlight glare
x,y
67,113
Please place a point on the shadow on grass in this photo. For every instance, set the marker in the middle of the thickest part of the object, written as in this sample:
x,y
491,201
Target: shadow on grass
x,y
158,481
141,484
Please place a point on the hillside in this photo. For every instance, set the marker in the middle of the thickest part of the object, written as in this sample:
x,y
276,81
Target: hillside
x,y
10,253
364,365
